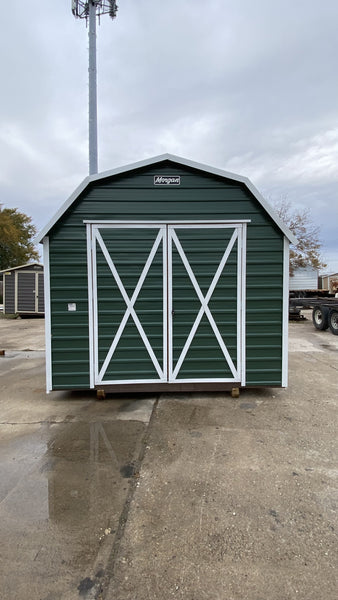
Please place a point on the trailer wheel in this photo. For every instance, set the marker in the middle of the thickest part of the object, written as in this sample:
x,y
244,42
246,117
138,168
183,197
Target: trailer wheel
x,y
320,317
333,322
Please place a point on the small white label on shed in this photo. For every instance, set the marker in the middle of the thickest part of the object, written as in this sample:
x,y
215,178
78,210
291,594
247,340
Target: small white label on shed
x,y
72,306
167,180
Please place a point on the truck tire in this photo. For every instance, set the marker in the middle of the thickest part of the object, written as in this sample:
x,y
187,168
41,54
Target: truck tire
x,y
320,317
333,322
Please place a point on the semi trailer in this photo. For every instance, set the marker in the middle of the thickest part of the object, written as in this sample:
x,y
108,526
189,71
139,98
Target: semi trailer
x,y
324,312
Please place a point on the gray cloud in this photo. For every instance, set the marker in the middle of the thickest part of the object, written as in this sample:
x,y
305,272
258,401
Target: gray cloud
x,y
246,86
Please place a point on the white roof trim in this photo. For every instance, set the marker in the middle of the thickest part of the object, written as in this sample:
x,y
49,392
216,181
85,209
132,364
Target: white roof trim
x,y
32,264
179,160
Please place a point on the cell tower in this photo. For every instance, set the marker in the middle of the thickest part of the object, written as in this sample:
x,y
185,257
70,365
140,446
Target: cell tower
x,y
89,10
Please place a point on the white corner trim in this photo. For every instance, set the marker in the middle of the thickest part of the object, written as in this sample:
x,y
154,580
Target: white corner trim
x,y
90,306
48,327
285,331
242,343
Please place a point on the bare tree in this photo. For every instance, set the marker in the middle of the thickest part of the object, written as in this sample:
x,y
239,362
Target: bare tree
x,y
307,252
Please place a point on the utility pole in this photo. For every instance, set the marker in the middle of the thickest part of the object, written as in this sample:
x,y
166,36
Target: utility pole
x,y
89,10
92,77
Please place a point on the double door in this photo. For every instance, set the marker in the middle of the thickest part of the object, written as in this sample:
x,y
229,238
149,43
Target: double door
x,y
166,302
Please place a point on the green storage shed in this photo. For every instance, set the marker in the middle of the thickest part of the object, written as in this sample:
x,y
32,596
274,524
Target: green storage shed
x,y
166,275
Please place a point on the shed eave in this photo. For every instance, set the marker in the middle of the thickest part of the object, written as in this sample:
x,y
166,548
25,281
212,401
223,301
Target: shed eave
x,y
175,159
43,233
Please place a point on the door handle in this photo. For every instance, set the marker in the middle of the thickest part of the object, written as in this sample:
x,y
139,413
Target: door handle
x,y
172,312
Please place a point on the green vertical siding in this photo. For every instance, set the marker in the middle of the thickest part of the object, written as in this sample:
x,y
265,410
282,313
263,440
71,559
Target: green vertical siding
x,y
200,197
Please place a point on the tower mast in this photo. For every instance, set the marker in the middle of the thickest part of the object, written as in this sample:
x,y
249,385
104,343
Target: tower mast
x,y
89,10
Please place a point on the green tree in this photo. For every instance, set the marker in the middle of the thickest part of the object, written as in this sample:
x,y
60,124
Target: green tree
x,y
16,233
308,250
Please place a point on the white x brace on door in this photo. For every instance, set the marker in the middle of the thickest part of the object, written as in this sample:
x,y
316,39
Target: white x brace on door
x,y
166,302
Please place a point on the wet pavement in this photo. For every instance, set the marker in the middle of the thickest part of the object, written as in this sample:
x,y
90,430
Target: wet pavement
x,y
68,464
194,496
63,488
238,499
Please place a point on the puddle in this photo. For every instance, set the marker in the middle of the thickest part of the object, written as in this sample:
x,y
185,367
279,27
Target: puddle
x,y
87,466
62,491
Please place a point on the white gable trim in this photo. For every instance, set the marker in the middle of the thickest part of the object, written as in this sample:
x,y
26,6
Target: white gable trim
x,y
175,159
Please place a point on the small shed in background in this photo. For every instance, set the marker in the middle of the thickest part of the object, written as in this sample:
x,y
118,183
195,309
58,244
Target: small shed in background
x,y
23,290
166,275
304,278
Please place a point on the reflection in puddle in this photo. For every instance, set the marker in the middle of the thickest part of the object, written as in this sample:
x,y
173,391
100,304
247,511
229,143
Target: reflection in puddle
x,y
83,465
61,487
79,467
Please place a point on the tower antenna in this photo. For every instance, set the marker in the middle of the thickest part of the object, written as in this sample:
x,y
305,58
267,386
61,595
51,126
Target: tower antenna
x,y
89,10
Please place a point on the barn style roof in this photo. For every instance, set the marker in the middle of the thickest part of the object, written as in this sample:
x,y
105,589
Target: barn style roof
x,y
175,160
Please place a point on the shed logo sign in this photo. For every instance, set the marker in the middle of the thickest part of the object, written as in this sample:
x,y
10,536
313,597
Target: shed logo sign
x,y
167,180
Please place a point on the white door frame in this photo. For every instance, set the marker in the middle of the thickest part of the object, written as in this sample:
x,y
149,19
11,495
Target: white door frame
x,y
168,237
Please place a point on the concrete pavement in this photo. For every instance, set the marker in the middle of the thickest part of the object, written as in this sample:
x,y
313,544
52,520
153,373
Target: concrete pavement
x,y
66,467
196,496
237,499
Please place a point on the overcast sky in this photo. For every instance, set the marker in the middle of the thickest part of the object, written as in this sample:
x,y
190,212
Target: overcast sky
x,y
249,86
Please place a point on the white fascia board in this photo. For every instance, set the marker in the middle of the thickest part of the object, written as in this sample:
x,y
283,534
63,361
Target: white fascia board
x,y
288,234
181,161
62,210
